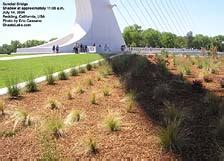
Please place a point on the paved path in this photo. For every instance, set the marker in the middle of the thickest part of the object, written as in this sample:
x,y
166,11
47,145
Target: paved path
x,y
33,56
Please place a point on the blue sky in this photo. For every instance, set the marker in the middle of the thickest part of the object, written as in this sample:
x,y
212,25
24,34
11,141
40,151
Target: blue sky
x,y
178,16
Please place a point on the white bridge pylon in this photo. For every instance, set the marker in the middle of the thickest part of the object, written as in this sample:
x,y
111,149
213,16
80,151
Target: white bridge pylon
x,y
95,24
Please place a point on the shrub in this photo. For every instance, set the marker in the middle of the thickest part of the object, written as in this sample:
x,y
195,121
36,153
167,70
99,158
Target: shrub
x,y
49,76
53,104
173,137
62,76
13,89
74,72
212,101
222,83
161,91
54,126
21,116
112,123
91,145
82,70
197,85
73,116
106,91
93,99
31,85
2,107
89,67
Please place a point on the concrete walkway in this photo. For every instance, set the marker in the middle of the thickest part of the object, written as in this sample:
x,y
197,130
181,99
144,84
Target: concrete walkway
x,y
33,56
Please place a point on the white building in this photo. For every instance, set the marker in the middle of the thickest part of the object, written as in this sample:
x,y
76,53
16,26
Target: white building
x,y
95,24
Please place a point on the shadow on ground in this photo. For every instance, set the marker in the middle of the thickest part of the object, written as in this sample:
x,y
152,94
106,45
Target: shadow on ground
x,y
142,76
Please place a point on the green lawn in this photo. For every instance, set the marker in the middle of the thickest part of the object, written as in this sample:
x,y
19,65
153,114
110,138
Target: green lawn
x,y
22,68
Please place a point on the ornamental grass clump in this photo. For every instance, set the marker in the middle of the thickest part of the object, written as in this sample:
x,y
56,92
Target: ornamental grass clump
x,y
184,70
13,89
54,126
21,116
112,123
49,76
212,103
131,103
62,76
31,85
93,99
74,72
2,107
174,137
89,67
53,104
91,145
106,92
161,92
73,116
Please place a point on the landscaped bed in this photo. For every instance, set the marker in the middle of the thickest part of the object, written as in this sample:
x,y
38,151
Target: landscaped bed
x,y
21,69
156,107
101,102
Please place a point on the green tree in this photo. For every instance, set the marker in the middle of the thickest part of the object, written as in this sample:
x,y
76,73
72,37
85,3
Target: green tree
x,y
168,40
133,36
151,38
201,41
190,39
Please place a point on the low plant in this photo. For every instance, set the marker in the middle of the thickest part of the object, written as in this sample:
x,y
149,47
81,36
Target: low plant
x,y
93,99
106,91
199,62
80,90
53,104
49,147
13,89
197,85
90,82
171,113
89,67
62,76
112,123
49,76
73,116
54,126
82,70
184,69
7,134
212,102
2,107
174,137
220,128
69,95
74,72
131,103
222,83
21,116
31,85
206,76
91,145
161,91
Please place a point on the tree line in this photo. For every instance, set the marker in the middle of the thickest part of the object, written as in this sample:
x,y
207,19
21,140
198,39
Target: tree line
x,y
12,47
135,36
